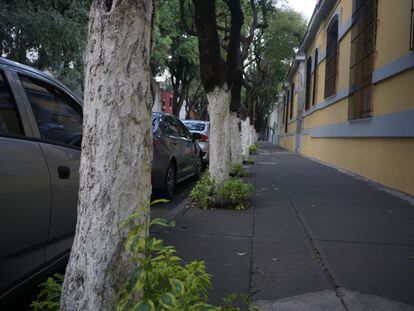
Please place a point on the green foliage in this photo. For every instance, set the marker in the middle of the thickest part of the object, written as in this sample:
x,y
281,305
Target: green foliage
x,y
48,35
49,296
253,148
160,279
203,192
237,170
250,160
232,194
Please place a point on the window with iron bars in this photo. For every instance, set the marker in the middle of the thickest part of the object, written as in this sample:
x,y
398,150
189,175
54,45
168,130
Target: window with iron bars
x,y
412,26
363,37
331,65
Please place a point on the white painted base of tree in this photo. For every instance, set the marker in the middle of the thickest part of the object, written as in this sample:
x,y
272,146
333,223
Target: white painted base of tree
x,y
235,139
252,135
245,138
219,112
116,155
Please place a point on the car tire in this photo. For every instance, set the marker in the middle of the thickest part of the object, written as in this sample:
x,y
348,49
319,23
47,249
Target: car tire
x,y
170,181
198,169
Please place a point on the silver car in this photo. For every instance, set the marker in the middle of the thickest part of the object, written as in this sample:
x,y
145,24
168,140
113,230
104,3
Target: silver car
x,y
202,128
40,148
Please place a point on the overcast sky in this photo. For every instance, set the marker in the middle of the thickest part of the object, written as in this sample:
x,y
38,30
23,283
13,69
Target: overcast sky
x,y
304,6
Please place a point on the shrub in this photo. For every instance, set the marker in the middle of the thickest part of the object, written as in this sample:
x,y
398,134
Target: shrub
x,y
250,160
49,297
253,148
203,192
233,194
237,170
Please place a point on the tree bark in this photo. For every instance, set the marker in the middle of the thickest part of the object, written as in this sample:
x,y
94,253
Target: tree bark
x,y
245,139
116,150
235,139
219,103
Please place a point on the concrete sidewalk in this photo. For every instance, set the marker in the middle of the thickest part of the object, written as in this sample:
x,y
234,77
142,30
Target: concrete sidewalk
x,y
314,238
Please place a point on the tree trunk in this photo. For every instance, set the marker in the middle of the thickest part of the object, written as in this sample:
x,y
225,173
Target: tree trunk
x,y
219,111
116,150
245,139
252,135
235,140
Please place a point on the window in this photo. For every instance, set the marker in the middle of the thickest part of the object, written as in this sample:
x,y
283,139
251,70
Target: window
x,y
412,26
182,129
315,77
287,109
173,129
362,58
9,120
308,82
292,97
331,58
59,119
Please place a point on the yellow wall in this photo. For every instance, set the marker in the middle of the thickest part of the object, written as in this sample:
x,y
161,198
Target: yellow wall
x,y
389,161
287,142
385,160
393,31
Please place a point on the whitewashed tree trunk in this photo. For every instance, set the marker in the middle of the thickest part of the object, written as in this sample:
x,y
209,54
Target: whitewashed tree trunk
x,y
219,112
245,138
252,135
235,139
116,150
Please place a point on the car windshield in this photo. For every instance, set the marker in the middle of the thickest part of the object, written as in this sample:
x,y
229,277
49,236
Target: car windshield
x,y
195,126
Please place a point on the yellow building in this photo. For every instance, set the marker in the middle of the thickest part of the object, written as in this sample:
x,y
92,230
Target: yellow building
x,y
349,96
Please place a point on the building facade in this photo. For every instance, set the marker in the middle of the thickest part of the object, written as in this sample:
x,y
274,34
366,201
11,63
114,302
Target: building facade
x,y
349,101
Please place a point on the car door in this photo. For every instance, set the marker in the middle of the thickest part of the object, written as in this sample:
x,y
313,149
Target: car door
x,y
177,146
57,121
25,194
188,148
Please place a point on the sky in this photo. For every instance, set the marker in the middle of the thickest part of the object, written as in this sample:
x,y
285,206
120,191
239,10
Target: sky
x,y
304,6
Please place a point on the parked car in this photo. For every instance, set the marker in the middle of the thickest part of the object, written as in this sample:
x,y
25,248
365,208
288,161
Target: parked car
x,y
202,128
177,155
40,140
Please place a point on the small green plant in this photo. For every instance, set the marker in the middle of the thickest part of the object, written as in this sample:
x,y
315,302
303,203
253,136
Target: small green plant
x,y
253,148
203,191
250,160
49,297
158,280
234,193
237,170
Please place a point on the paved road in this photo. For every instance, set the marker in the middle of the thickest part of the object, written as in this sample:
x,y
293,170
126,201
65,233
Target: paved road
x,y
310,229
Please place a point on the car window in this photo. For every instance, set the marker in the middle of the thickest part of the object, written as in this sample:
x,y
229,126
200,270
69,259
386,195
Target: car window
x,y
172,126
182,129
195,126
59,119
9,120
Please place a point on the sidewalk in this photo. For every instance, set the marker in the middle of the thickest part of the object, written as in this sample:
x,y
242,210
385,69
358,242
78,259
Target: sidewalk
x,y
314,239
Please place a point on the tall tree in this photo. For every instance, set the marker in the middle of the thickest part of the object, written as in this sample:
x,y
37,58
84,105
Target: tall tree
x,y
49,35
216,76
116,150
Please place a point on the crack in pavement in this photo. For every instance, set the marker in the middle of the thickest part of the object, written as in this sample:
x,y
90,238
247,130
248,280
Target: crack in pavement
x,y
315,250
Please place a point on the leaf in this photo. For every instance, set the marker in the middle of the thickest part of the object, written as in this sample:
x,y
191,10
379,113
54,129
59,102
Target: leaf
x,y
162,222
159,201
145,305
177,286
133,278
168,300
241,254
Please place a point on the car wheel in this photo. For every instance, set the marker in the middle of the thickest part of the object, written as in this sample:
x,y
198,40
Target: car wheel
x,y
198,168
170,181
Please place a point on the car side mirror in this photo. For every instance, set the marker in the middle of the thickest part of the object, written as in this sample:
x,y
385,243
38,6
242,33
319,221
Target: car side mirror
x,y
196,136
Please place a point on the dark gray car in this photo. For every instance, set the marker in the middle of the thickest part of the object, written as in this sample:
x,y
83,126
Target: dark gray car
x,y
177,156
